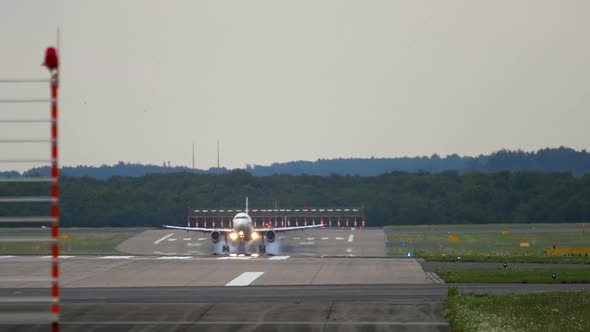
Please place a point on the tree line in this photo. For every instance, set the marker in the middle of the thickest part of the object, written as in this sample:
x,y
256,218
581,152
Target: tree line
x,y
396,198
548,160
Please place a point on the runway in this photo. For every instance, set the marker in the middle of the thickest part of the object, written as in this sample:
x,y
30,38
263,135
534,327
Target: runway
x,y
169,271
256,308
313,242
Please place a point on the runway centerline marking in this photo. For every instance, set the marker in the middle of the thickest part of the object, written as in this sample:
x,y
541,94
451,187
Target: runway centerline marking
x,y
339,238
310,238
163,238
116,257
60,256
278,258
307,243
245,279
172,239
296,238
175,257
348,250
351,238
187,239
202,238
325,238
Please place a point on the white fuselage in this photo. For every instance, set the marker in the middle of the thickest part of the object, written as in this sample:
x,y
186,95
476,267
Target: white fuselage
x,y
242,225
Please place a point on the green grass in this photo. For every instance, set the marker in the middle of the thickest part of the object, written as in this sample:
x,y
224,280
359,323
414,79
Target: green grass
x,y
528,275
75,244
489,247
555,311
487,226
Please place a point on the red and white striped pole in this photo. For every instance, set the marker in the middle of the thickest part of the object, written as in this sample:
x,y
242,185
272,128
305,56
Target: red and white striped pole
x,y
347,221
188,216
213,222
305,221
297,221
329,221
205,222
355,222
55,310
338,222
221,222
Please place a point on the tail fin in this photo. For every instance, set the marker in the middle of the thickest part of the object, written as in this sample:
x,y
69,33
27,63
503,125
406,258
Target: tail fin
x,y
246,204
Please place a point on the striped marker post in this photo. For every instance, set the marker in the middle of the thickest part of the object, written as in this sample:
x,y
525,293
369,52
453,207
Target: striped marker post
x,y
55,327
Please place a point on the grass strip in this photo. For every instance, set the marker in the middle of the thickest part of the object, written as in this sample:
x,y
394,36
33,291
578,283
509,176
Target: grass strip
x,y
553,311
517,275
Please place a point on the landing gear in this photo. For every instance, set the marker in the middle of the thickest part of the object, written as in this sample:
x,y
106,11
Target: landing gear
x,y
262,249
225,247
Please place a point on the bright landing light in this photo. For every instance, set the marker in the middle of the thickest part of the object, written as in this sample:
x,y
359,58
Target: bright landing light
x,y
255,236
233,236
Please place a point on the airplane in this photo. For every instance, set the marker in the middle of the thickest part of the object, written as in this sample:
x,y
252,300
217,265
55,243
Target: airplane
x,y
243,231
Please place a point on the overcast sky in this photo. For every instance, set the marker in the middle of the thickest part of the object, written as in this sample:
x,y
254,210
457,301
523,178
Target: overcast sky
x,y
277,81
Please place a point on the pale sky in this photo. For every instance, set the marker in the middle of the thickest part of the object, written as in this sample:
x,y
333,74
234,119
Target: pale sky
x,y
277,81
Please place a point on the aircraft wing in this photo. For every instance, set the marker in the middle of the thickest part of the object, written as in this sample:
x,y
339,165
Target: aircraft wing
x,y
200,229
287,229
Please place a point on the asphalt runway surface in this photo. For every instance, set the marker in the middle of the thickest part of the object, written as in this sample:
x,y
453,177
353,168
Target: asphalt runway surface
x,y
256,308
161,271
312,242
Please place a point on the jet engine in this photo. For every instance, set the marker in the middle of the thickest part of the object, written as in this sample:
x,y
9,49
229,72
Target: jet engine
x,y
271,236
215,236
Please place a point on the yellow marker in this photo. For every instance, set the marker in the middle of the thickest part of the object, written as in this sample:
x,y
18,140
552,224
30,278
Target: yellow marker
x,y
505,232
454,238
567,251
525,244
36,247
65,237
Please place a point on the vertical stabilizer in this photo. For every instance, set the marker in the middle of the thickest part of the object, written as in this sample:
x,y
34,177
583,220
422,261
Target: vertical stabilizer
x,y
246,204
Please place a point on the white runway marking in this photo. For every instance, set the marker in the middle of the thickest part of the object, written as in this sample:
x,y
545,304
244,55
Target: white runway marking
x,y
60,256
339,238
245,279
187,239
278,258
296,238
163,253
116,257
202,238
175,257
163,238
325,238
7,256
350,238
310,238
306,243
193,244
348,250
235,257
172,239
